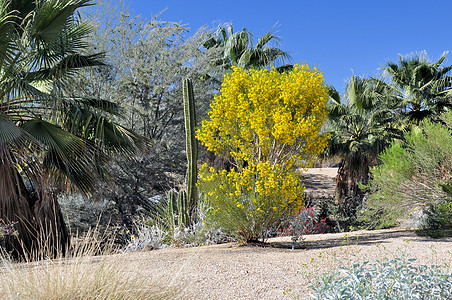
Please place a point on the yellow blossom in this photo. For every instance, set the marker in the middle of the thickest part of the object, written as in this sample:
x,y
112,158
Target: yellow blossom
x,y
270,124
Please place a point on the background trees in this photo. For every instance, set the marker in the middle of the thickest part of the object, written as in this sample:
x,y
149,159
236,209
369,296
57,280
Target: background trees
x,y
238,49
377,113
423,87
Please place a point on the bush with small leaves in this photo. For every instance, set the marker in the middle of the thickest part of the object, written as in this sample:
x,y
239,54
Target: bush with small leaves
x,y
437,220
399,278
269,124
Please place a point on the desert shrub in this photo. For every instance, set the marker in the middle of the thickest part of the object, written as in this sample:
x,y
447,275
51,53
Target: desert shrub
x,y
412,174
338,216
437,220
164,227
268,124
6,229
306,221
82,214
399,278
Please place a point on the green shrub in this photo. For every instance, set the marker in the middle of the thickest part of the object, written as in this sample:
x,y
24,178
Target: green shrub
x,y
412,174
399,278
437,220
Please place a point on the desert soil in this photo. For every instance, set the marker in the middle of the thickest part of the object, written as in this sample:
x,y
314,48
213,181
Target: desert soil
x,y
233,271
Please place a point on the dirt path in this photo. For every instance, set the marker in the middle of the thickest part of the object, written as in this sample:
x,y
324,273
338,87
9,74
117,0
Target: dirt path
x,y
320,181
231,271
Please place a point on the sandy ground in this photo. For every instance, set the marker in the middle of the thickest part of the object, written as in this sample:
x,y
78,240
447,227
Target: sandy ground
x,y
320,181
232,271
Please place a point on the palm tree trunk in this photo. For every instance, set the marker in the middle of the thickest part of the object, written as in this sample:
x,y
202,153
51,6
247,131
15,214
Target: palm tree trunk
x,y
341,190
38,221
15,208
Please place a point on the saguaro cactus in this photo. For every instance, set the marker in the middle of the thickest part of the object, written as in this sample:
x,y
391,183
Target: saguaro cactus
x,y
191,147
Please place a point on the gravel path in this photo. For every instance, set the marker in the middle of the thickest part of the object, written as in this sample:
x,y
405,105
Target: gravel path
x,y
232,271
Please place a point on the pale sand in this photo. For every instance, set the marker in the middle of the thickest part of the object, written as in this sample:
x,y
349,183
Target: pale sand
x,y
231,271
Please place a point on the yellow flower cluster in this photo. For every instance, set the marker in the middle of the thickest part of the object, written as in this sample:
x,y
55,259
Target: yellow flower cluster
x,y
269,123
265,115
260,186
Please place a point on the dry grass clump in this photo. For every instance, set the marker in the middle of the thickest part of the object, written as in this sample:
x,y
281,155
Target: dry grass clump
x,y
83,275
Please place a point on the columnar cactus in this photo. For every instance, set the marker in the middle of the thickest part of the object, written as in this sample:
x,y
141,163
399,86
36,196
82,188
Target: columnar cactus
x,y
191,147
177,208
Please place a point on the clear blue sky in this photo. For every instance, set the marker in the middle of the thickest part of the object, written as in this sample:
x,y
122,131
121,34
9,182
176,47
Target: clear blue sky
x,y
341,38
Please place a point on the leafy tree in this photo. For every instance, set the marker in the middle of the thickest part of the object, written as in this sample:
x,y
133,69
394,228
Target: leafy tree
x,y
360,129
146,61
48,141
269,124
423,87
238,49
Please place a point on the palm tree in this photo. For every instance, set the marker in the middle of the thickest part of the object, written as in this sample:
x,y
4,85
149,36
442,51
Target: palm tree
x,y
360,129
238,49
423,87
48,142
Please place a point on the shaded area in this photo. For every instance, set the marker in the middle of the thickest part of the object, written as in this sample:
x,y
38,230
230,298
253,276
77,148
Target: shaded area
x,y
367,238
320,181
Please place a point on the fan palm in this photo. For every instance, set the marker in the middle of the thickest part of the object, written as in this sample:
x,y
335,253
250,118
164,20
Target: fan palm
x,y
360,129
48,141
238,49
423,87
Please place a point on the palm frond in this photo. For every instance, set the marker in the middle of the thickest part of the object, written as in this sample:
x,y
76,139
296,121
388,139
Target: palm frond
x,y
11,135
51,18
66,154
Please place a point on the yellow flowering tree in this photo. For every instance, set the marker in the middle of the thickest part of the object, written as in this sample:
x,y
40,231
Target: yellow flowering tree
x,y
269,124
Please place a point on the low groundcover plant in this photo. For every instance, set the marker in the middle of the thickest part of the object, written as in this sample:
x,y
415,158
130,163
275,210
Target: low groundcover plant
x,y
399,278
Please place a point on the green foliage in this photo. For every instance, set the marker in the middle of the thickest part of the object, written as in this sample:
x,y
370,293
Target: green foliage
x,y
238,49
359,130
421,87
191,147
51,140
437,220
399,278
412,174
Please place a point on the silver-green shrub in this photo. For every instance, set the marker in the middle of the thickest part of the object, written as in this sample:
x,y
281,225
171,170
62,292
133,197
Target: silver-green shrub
x,y
399,278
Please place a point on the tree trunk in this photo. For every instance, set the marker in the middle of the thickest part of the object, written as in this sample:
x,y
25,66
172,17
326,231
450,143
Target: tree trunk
x,y
37,220
341,190
53,232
